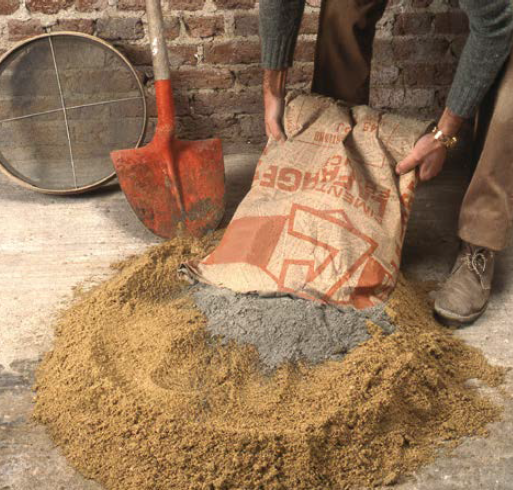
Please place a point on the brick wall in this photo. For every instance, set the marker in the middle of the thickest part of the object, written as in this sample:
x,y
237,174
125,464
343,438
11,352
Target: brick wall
x,y
214,52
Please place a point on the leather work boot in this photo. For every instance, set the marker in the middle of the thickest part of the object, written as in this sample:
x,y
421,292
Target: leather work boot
x,y
465,294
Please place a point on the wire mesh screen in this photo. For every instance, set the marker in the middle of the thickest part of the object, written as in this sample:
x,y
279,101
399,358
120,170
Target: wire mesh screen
x,y
66,102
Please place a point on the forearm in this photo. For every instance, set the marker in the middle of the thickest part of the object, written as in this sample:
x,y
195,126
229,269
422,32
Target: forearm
x,y
274,82
487,47
279,27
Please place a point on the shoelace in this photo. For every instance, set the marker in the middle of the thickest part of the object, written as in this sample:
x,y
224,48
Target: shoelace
x,y
476,262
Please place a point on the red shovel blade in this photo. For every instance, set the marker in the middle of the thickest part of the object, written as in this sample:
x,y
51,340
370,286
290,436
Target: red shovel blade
x,y
174,185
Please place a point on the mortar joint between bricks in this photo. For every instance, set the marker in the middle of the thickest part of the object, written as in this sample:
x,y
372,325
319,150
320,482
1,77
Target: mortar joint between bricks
x,y
209,7
23,8
200,54
229,25
73,14
308,10
183,28
301,37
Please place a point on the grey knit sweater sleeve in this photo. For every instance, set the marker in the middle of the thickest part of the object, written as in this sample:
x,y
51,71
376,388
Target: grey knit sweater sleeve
x,y
487,47
279,27
484,54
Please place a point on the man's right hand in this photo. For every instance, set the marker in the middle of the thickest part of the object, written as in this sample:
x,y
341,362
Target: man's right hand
x,y
274,103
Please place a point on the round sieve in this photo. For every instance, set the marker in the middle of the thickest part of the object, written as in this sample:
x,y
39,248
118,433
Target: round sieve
x,y
67,100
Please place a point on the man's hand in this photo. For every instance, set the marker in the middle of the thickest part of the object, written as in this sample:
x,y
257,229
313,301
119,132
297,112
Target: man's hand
x,y
274,103
428,154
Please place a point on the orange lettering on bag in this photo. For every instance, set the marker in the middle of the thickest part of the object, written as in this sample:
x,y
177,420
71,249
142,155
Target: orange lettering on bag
x,y
289,179
359,203
345,181
348,197
319,136
329,174
370,125
343,128
336,160
381,197
337,192
321,188
268,179
310,181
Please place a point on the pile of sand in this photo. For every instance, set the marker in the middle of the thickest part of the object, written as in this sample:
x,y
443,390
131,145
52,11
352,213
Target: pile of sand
x,y
139,395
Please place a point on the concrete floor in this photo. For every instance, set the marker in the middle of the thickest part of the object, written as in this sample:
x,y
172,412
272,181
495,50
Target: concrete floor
x,y
48,245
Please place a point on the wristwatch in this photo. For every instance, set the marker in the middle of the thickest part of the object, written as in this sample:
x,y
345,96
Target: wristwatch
x,y
447,141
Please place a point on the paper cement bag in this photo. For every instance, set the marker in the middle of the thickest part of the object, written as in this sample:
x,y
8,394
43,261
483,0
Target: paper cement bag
x,y
326,215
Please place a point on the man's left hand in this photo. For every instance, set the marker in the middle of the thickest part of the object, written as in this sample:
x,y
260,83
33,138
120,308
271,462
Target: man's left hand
x,y
428,154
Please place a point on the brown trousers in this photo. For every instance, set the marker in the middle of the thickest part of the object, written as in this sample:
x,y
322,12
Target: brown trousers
x,y
342,70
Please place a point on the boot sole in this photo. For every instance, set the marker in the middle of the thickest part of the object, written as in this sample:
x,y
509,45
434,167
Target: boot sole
x,y
454,320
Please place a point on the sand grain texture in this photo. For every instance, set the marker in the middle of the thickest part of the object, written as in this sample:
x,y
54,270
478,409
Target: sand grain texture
x,y
140,396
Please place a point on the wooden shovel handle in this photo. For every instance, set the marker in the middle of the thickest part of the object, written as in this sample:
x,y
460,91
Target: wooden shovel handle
x,y
163,89
157,40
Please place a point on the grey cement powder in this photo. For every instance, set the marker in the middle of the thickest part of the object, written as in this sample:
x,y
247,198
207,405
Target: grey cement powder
x,y
285,328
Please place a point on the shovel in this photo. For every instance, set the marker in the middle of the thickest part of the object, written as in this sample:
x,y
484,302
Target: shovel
x,y
174,186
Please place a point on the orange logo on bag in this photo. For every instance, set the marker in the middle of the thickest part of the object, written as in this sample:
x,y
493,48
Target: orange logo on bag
x,y
326,215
